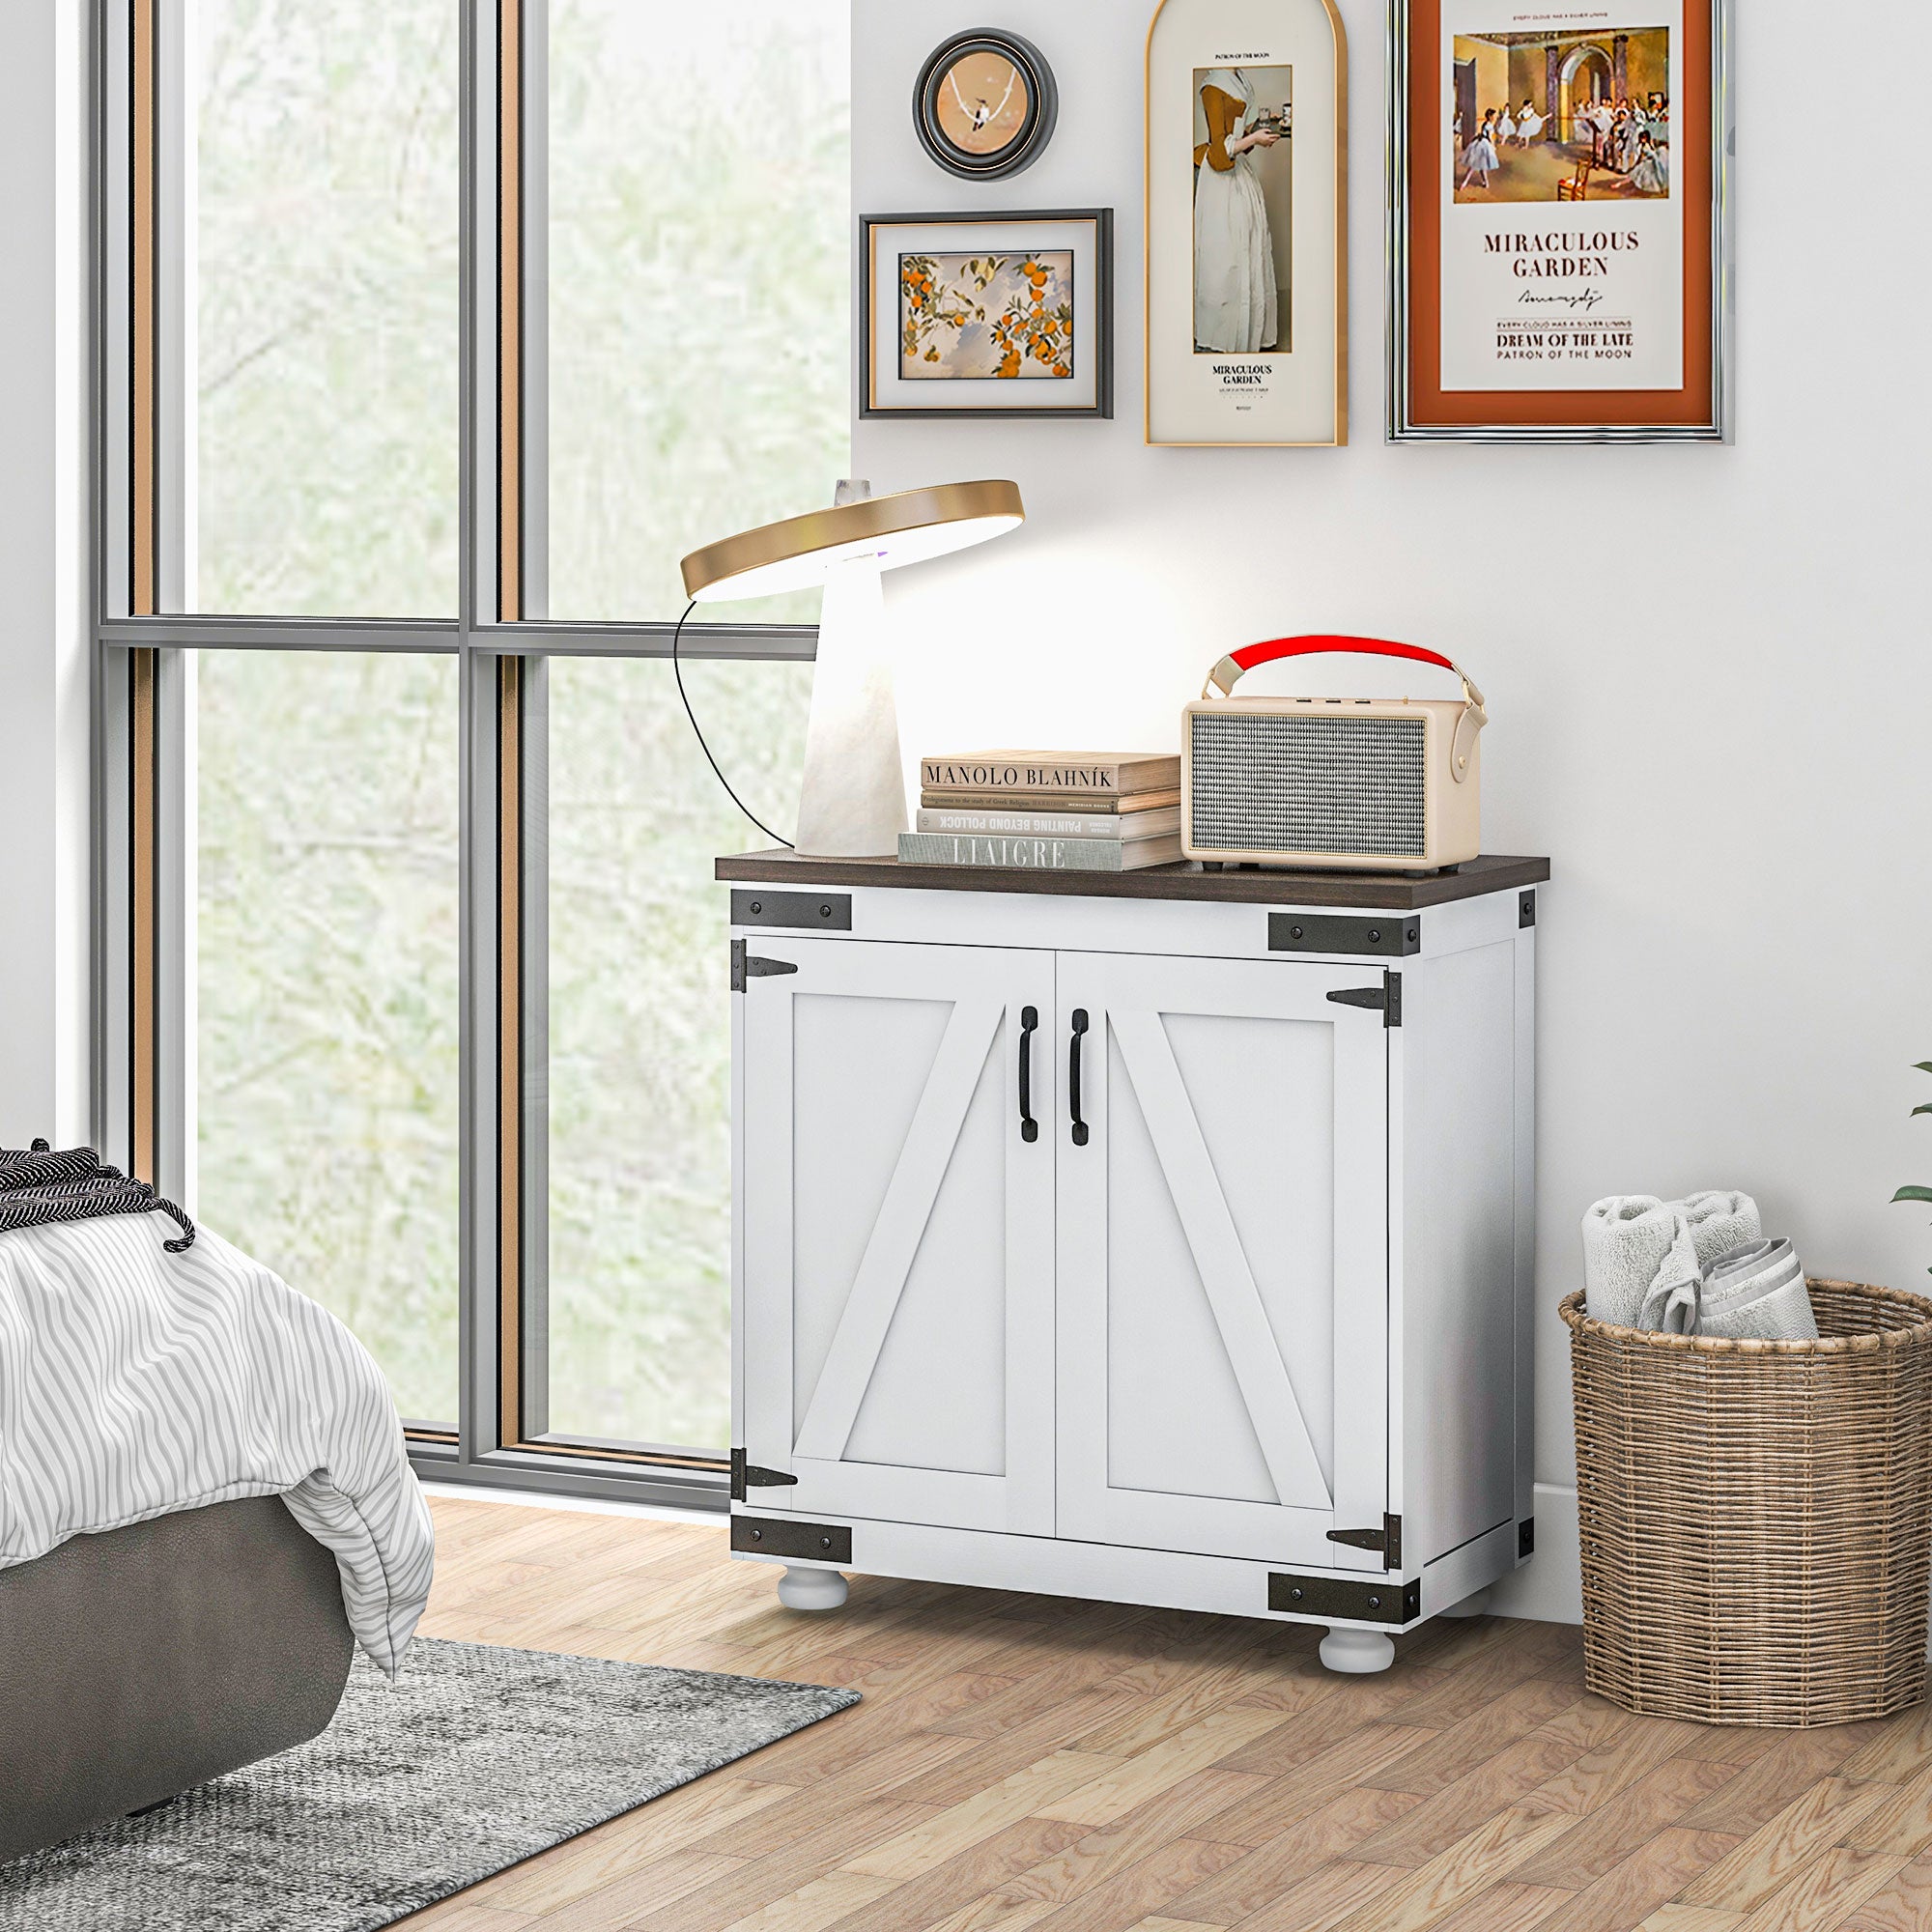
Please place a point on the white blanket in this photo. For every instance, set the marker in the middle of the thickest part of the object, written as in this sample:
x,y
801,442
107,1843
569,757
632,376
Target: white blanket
x,y
134,1383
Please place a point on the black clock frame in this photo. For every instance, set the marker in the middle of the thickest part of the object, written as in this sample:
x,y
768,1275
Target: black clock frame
x,y
1035,132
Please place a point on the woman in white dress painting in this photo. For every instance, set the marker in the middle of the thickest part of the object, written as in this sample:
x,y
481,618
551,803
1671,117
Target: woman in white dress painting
x,y
1236,304
1528,124
1480,156
1506,127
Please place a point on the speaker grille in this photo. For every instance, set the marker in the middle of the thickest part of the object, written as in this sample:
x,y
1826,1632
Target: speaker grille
x,y
1266,782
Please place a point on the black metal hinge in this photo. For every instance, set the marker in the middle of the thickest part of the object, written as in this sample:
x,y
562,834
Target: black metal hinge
x,y
1385,998
746,965
1385,1542
747,1476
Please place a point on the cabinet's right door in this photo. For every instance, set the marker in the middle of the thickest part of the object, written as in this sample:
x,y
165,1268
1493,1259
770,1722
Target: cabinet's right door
x,y
1222,1257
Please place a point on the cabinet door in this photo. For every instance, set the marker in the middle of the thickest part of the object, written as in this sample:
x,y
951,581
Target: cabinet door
x,y
897,1231
1223,1275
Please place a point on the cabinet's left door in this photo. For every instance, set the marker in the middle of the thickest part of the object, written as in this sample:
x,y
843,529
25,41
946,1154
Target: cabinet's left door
x,y
894,1221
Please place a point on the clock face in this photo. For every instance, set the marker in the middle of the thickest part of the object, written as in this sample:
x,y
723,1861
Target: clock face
x,y
983,104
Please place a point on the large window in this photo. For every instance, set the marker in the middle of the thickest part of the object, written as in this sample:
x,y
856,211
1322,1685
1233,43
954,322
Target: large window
x,y
414,960
320,210
323,1091
639,1184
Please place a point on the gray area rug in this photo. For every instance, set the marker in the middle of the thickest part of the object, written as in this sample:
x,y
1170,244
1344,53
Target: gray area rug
x,y
474,1758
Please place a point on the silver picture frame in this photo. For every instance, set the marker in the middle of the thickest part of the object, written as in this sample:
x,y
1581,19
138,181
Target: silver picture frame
x,y
1402,423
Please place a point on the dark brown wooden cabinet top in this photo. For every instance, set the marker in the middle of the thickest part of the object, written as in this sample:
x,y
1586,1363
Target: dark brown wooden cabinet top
x,y
1376,892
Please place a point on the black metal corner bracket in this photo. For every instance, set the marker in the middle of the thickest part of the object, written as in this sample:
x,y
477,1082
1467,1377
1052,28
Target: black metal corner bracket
x,y
795,1541
1390,934
1347,1597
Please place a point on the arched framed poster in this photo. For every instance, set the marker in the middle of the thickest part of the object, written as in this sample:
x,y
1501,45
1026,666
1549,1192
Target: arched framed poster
x,y
1247,288
1557,240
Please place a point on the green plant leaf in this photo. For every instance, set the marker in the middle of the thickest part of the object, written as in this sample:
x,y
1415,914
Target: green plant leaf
x,y
1927,1109
1912,1194
1924,1067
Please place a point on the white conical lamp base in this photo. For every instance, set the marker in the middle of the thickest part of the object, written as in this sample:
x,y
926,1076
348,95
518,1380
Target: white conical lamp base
x,y
852,805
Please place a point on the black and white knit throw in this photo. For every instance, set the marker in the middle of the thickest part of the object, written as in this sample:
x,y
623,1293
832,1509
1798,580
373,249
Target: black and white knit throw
x,y
38,1185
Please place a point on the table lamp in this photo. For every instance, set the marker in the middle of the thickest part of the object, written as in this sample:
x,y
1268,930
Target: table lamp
x,y
852,802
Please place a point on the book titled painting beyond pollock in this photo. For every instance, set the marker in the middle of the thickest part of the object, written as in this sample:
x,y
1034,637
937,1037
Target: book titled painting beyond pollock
x,y
1037,855
1053,774
1121,827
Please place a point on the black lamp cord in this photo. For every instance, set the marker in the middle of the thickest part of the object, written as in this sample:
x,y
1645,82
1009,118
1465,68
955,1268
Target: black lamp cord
x,y
678,671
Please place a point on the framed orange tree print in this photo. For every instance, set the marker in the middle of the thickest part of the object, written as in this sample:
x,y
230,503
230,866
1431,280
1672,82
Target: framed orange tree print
x,y
988,315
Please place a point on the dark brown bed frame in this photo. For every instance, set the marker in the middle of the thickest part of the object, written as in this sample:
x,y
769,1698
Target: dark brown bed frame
x,y
141,1661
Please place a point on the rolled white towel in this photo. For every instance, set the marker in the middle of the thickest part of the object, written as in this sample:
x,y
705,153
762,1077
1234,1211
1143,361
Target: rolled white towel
x,y
1628,1239
1757,1291
1721,1220
1625,1241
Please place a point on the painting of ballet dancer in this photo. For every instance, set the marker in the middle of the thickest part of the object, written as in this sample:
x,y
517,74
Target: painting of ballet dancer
x,y
1561,117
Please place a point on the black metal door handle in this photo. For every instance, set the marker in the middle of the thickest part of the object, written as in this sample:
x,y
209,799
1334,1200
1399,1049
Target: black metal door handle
x,y
1080,1129
1029,1026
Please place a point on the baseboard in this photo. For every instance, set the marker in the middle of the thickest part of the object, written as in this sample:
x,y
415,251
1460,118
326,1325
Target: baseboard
x,y
1548,1588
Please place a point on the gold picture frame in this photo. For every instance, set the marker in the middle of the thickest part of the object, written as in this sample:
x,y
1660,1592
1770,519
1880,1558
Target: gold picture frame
x,y
1247,296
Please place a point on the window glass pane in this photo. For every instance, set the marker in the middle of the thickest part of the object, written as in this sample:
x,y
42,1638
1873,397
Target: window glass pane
x,y
699,274
640,1299
322,216
325,1034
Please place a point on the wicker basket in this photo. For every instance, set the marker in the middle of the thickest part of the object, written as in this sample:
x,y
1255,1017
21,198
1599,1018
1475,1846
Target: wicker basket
x,y
1756,1517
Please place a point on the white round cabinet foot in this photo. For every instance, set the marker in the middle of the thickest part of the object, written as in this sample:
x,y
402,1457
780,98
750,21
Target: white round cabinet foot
x,y
812,1589
1477,1606
1357,1652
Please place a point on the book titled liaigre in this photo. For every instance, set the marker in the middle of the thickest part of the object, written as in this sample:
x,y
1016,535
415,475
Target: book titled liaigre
x,y
1008,853
1071,774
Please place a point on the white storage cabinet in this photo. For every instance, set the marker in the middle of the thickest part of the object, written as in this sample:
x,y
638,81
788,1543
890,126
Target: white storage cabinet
x,y
1146,1238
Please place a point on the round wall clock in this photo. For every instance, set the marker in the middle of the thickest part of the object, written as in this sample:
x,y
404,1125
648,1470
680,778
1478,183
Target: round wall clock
x,y
985,106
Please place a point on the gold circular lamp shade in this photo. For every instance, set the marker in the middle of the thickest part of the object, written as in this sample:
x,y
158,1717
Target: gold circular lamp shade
x,y
800,552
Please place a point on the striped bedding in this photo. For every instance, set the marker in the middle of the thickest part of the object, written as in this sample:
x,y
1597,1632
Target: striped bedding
x,y
134,1381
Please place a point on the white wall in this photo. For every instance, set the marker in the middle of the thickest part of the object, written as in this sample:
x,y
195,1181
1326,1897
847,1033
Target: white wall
x,y
44,658
1730,765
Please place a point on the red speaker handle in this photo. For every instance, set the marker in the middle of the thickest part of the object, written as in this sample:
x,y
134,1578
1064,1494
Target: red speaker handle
x,y
1321,646
1225,674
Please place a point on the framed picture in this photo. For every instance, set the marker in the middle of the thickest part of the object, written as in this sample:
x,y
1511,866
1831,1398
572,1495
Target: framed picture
x,y
1558,236
1247,292
987,315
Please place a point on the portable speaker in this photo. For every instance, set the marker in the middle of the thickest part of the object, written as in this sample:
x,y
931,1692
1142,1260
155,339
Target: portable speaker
x,y
1368,783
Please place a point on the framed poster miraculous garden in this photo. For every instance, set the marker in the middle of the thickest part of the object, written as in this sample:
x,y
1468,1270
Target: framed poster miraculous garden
x,y
1247,243
1558,245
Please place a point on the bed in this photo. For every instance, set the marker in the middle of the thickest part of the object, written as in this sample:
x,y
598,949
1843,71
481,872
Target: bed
x,y
140,1662
205,1504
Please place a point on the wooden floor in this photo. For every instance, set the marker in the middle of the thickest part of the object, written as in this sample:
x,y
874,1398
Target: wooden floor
x,y
1030,1762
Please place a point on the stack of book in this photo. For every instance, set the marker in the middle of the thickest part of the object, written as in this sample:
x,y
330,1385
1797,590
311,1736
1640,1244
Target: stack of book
x,y
1056,811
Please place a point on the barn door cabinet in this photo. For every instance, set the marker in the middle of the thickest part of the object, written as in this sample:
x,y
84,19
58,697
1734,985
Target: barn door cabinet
x,y
1162,1238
